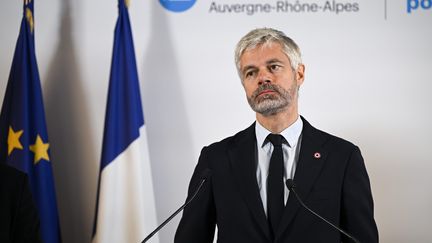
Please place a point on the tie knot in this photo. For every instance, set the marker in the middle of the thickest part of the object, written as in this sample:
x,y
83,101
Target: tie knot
x,y
275,139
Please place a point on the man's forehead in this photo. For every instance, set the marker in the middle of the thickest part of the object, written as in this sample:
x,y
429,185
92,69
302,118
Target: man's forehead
x,y
276,49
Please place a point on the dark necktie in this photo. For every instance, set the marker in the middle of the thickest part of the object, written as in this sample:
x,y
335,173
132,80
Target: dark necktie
x,y
275,185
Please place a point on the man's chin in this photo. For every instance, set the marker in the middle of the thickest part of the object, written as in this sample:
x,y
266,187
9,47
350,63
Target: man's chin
x,y
268,110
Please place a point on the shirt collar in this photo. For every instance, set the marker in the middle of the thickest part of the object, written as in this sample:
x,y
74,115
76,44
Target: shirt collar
x,y
291,133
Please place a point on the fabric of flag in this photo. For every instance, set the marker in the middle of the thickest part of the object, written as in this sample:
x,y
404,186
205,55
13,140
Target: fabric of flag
x,y
23,134
125,210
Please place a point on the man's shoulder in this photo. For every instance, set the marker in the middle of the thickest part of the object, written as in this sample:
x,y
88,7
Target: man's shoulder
x,y
309,132
247,134
327,139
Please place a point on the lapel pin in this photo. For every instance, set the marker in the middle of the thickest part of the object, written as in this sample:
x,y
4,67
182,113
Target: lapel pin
x,y
317,155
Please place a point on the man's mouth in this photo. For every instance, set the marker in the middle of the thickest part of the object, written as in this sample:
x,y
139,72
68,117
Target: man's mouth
x,y
267,91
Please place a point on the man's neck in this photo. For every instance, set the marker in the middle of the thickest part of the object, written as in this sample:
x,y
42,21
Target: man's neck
x,y
278,122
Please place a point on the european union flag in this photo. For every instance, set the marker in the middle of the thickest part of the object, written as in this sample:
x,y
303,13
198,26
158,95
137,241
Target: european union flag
x,y
23,134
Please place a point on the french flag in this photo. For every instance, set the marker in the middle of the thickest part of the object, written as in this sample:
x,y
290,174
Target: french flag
x,y
125,210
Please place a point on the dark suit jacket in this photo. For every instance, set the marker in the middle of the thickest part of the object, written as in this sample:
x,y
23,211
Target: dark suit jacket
x,y
18,216
335,185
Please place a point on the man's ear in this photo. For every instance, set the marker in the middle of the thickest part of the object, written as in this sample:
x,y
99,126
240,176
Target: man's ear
x,y
300,72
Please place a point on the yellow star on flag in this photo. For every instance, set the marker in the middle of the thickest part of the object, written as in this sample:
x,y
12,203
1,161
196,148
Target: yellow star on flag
x,y
13,140
40,150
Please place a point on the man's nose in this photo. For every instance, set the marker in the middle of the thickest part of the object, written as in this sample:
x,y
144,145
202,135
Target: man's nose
x,y
264,77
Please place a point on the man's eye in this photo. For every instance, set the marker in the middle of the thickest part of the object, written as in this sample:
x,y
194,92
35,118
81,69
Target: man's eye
x,y
249,74
274,67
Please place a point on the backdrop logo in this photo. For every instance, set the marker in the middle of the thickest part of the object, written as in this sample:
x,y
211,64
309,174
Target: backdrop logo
x,y
286,7
418,4
177,5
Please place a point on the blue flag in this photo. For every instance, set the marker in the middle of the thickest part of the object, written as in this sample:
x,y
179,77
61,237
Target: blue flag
x,y
23,134
125,209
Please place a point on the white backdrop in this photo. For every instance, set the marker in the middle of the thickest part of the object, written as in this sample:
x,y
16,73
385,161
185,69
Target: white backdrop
x,y
367,80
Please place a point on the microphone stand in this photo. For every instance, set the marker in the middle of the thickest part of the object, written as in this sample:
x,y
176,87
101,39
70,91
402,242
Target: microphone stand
x,y
203,180
290,184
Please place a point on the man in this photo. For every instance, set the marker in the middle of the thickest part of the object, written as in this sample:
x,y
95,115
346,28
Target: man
x,y
19,222
245,195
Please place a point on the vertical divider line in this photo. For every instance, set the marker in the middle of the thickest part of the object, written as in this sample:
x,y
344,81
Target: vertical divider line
x,y
385,9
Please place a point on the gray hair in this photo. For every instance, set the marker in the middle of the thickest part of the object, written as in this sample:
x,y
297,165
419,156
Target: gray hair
x,y
262,36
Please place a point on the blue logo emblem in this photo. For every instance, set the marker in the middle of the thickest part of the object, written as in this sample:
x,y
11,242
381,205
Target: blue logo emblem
x,y
177,5
418,4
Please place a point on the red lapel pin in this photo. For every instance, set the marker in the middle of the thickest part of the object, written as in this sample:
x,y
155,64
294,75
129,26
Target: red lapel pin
x,y
317,155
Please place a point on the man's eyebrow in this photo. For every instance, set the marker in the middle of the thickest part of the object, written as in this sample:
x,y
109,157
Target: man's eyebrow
x,y
248,67
271,61
274,60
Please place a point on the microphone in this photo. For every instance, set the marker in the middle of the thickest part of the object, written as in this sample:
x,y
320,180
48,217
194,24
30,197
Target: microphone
x,y
205,175
290,185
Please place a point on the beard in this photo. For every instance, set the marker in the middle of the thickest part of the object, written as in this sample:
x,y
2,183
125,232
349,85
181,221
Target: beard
x,y
272,103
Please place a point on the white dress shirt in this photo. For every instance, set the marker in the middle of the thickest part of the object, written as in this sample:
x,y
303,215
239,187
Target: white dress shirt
x,y
290,154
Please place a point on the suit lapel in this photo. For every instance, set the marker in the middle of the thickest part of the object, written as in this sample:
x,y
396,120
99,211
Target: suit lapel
x,y
309,165
243,162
